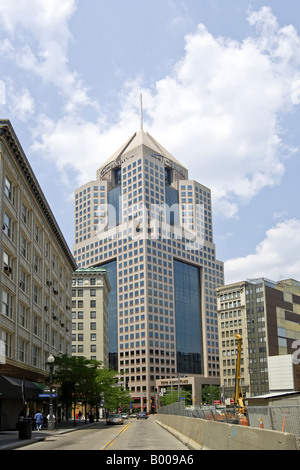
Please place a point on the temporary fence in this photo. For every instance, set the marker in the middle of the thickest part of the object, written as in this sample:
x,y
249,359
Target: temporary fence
x,y
211,413
285,418
214,413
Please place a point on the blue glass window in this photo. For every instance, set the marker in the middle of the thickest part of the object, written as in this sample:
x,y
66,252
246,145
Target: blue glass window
x,y
172,217
114,209
111,269
189,342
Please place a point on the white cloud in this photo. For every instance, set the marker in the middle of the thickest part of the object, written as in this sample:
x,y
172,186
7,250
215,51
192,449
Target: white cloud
x,y
47,19
217,111
219,108
37,42
20,103
77,145
276,257
2,92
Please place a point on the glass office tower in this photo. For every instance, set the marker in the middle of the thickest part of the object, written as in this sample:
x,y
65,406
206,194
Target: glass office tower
x,y
152,226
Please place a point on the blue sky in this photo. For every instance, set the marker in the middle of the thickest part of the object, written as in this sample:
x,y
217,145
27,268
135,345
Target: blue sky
x,y
221,91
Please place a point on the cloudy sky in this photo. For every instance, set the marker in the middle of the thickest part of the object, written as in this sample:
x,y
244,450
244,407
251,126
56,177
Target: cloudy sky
x,y
221,91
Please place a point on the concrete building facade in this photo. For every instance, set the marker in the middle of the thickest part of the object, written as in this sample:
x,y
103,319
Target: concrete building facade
x,y
267,316
90,289
36,280
151,227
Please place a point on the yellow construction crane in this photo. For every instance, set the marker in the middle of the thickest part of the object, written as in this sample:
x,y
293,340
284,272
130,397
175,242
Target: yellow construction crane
x,y
238,396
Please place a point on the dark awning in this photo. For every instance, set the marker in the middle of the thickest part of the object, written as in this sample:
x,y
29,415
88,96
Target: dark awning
x,y
12,387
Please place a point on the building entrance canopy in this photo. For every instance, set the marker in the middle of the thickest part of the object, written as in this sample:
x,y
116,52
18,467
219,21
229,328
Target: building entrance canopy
x,y
11,387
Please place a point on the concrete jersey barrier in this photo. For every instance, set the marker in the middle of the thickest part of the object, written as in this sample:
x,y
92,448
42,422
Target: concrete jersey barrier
x,y
199,434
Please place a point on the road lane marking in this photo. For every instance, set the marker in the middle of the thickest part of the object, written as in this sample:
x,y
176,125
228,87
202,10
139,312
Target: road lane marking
x,y
110,443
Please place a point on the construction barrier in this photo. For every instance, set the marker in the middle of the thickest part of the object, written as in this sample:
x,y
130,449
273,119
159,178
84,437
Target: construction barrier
x,y
201,434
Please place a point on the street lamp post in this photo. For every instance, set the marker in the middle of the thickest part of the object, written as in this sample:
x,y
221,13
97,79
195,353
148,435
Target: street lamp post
x,y
51,367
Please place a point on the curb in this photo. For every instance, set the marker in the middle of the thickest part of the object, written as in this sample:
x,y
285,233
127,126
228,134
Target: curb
x,y
25,442
187,441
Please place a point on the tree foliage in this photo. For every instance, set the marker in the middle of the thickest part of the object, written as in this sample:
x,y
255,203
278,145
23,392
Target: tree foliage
x,y
210,393
86,380
171,396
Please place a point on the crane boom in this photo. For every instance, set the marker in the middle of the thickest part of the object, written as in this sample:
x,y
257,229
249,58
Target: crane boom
x,y
238,395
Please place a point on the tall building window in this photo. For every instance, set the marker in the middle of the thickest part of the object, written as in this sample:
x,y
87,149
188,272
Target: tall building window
x,y
189,339
8,227
6,304
118,175
9,190
172,216
114,216
111,269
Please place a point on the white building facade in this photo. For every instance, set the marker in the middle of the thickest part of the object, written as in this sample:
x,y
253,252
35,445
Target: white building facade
x,y
90,289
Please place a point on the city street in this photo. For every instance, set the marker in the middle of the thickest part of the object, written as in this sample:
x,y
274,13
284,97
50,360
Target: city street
x,y
132,435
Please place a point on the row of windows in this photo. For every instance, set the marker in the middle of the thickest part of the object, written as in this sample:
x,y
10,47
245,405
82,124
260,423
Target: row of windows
x,y
27,218
31,354
79,303
80,348
10,230
87,191
230,295
80,336
231,314
164,240
232,304
138,344
79,281
9,310
79,292
80,314
82,326
30,321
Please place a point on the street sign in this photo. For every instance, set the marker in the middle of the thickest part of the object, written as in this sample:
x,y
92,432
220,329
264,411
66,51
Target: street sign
x,y
47,390
47,395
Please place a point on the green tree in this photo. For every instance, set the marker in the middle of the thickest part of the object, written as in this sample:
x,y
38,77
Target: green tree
x,y
112,394
86,380
210,393
171,396
74,374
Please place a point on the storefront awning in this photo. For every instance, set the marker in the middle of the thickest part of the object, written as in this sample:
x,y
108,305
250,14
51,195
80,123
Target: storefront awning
x,y
12,387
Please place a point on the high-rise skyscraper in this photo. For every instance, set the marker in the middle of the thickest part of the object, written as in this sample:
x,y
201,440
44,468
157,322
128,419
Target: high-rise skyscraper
x,y
151,227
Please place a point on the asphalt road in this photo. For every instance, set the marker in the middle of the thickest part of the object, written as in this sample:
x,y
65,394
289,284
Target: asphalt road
x,y
133,435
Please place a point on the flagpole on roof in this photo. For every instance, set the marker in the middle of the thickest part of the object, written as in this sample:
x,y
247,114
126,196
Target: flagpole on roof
x,y
141,112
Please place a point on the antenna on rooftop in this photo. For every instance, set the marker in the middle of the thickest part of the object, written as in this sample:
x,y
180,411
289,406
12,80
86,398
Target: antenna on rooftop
x,y
141,111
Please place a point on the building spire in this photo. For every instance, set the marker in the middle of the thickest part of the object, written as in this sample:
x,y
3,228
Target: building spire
x,y
141,111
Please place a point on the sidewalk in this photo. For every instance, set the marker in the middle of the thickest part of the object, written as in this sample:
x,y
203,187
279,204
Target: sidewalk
x,y
9,440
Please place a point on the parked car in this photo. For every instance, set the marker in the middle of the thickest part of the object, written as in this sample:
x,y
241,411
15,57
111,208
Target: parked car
x,y
124,415
114,419
142,416
133,415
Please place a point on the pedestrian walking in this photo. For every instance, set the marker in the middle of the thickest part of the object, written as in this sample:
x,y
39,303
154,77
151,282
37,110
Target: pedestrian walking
x,y
38,420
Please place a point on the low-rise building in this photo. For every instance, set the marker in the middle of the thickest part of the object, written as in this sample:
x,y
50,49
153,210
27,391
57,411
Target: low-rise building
x,y
90,289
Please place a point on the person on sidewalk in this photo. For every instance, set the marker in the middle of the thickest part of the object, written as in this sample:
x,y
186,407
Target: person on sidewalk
x,y
38,420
